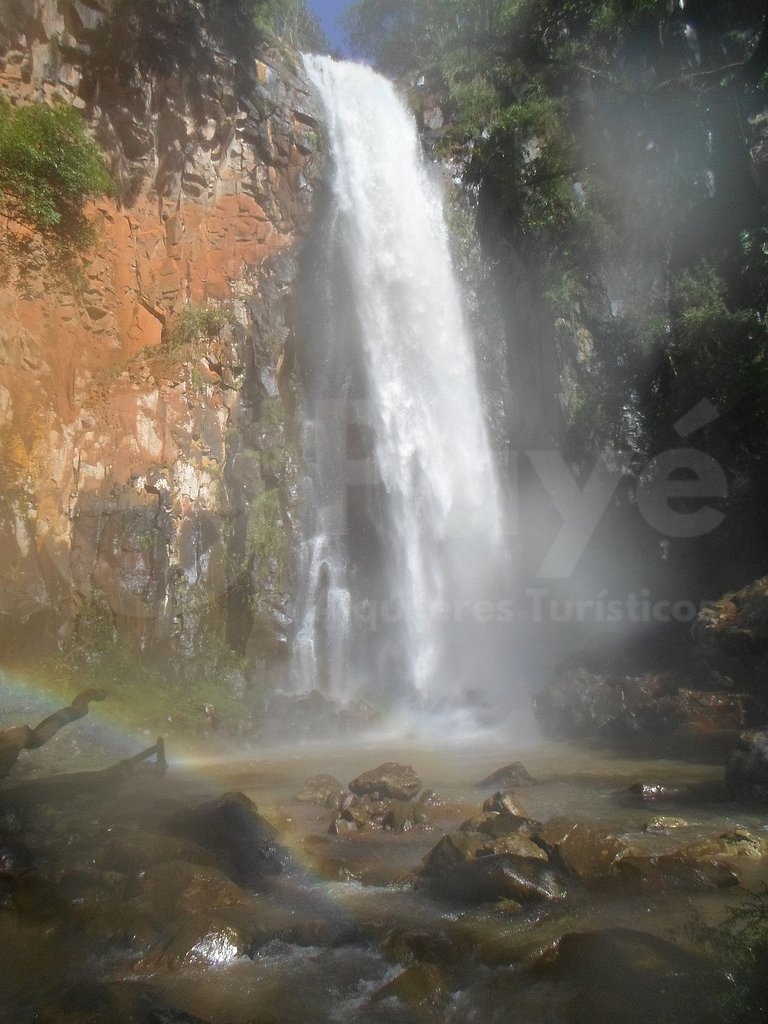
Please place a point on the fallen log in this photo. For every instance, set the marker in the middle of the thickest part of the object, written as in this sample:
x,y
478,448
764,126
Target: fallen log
x,y
62,788
23,737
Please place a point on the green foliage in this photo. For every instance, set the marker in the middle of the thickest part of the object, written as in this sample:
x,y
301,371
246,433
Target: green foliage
x,y
49,169
294,23
740,947
166,37
196,325
266,539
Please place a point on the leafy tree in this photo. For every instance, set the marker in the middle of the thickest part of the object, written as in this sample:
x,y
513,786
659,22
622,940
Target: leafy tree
x,y
168,36
49,168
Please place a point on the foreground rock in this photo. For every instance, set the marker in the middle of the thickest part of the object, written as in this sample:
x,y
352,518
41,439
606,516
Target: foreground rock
x,y
244,843
623,976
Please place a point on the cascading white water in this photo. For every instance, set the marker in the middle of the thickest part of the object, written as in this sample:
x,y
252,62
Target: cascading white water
x,y
391,353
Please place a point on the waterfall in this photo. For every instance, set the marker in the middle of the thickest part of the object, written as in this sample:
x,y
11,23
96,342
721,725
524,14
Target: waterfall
x,y
405,512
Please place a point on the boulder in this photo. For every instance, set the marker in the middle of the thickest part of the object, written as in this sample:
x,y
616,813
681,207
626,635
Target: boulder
x,y
201,940
177,889
324,790
396,781
497,824
585,851
502,876
675,871
505,802
465,846
508,777
243,842
733,633
623,976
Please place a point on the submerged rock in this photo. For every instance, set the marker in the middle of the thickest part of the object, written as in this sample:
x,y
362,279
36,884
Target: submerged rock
x,y
91,1002
676,871
138,850
396,781
664,823
419,985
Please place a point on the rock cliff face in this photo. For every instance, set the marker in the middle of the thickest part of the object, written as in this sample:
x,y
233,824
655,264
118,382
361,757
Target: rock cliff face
x,y
149,474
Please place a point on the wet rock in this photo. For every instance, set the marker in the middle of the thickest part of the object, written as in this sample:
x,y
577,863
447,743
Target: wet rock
x,y
397,781
510,776
203,940
419,985
465,846
733,633
585,851
244,843
312,715
320,789
580,702
138,850
16,858
738,843
506,803
497,824
401,816
342,827
702,712
453,849
664,823
675,871
658,792
176,889
429,798
623,976
359,816
90,1002
584,702
746,771
500,876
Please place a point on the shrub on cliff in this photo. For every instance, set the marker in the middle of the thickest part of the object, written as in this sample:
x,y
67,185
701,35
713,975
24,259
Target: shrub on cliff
x,y
49,169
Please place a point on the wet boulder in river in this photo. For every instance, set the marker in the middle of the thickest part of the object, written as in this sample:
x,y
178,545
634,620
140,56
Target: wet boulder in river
x,y
392,780
497,824
245,844
585,851
500,876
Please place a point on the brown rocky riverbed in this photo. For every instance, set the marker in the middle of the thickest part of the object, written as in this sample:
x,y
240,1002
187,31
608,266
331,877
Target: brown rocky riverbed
x,y
175,900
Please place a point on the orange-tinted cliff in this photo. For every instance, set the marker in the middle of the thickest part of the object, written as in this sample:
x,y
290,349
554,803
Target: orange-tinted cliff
x,y
146,484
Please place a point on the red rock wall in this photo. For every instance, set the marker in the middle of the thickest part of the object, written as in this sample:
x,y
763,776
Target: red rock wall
x,y
129,473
